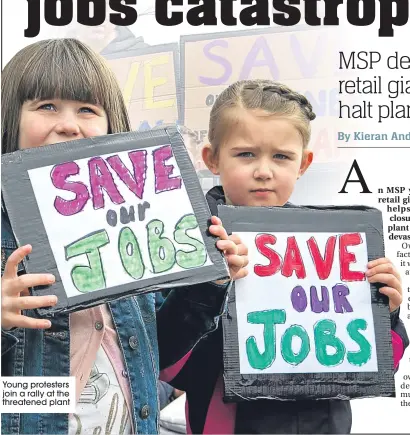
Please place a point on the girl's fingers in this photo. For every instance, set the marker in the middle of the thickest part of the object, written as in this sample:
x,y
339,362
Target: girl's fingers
x,y
23,282
14,286
30,302
218,231
244,260
235,261
235,238
386,278
227,246
374,263
242,249
395,298
383,268
240,274
216,221
25,292
18,321
16,257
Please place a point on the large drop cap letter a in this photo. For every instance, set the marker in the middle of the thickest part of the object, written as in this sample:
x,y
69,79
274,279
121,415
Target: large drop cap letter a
x,y
360,180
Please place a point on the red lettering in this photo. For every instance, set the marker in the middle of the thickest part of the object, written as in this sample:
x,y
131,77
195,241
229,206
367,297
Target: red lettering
x,y
293,260
323,265
348,257
274,258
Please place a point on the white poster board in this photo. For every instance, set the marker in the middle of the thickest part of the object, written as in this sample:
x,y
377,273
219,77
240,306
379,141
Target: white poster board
x,y
82,203
308,283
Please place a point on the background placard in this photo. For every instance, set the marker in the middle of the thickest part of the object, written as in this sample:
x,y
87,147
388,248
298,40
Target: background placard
x,y
304,62
149,80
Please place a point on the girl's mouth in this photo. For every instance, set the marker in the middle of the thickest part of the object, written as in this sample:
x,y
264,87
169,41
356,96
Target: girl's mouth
x,y
262,192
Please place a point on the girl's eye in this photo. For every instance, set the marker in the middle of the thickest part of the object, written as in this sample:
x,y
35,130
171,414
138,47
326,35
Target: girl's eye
x,y
281,156
87,110
47,106
245,154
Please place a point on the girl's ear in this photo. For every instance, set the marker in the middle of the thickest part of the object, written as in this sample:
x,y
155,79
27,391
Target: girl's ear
x,y
307,159
209,159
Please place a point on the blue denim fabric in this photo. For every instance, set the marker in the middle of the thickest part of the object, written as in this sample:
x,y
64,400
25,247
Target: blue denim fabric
x,y
184,320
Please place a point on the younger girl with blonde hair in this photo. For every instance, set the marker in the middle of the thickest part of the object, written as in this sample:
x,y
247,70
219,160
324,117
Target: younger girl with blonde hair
x,y
259,132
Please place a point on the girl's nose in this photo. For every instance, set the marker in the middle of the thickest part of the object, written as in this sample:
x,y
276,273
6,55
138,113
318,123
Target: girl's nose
x,y
263,171
67,126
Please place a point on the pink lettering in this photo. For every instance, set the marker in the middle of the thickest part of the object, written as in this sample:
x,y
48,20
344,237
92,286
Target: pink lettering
x,y
135,183
59,175
163,181
101,178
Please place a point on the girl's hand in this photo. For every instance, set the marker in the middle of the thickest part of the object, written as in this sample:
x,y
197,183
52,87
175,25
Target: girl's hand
x,y
382,270
236,253
15,296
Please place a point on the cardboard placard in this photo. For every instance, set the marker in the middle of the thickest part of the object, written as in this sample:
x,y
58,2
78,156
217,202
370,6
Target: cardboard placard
x,y
149,80
305,323
111,216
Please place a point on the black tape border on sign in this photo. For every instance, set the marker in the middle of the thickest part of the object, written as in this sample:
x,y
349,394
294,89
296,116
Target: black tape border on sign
x,y
342,386
20,202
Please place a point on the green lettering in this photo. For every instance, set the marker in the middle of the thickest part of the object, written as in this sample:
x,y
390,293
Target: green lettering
x,y
268,319
130,253
363,355
161,249
88,278
194,257
324,332
286,345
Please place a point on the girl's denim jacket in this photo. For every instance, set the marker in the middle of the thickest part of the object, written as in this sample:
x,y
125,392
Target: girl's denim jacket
x,y
186,315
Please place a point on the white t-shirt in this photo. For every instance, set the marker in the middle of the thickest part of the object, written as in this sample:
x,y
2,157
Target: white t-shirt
x,y
102,408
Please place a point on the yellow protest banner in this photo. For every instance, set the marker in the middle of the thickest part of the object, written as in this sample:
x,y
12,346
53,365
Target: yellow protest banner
x,y
148,79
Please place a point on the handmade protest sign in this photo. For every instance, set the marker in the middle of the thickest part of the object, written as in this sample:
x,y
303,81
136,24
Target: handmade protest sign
x,y
111,216
149,80
305,323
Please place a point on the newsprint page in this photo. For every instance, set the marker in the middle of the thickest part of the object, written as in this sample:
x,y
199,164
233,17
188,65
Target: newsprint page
x,y
205,216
